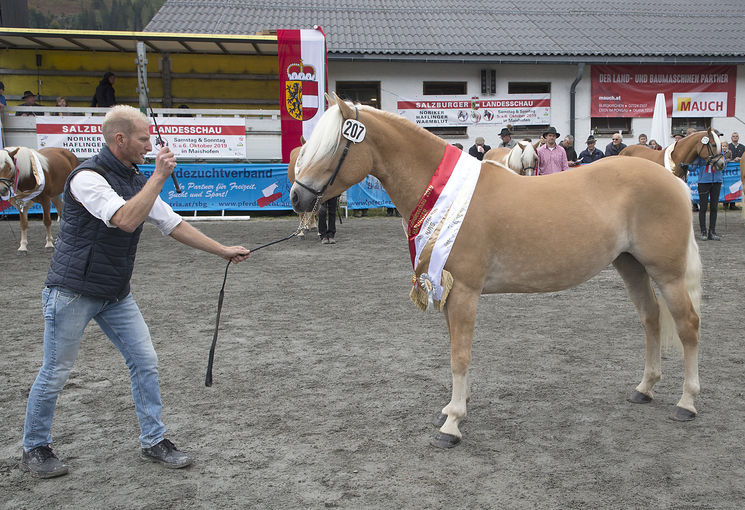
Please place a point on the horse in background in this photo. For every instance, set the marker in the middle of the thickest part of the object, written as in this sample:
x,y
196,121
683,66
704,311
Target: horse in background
x,y
308,220
521,159
27,175
703,144
643,228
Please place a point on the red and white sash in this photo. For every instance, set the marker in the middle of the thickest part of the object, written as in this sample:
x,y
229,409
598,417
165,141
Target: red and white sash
x,y
436,220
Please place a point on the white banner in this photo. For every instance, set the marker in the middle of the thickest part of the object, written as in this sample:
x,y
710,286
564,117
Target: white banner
x,y
699,104
188,137
445,111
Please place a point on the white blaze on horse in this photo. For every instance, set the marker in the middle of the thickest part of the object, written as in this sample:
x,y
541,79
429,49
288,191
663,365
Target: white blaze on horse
x,y
521,159
308,220
27,175
701,144
623,211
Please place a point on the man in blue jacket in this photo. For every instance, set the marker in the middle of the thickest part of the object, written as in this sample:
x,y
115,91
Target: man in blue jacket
x,y
106,201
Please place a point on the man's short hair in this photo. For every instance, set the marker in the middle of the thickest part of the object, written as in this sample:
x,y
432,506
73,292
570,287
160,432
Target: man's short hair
x,y
121,119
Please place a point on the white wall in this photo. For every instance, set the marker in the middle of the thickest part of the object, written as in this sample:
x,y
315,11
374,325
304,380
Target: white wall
x,y
404,81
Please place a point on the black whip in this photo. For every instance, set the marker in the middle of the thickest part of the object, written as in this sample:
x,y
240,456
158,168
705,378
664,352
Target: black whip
x,y
159,140
210,361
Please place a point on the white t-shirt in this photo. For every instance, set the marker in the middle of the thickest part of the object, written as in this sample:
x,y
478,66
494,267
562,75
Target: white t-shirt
x,y
98,197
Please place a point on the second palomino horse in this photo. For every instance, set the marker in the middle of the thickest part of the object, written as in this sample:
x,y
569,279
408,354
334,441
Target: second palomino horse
x,y
39,176
521,159
467,235
701,144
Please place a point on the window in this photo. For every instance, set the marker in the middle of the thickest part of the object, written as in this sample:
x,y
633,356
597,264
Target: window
x,y
610,125
682,124
446,88
362,92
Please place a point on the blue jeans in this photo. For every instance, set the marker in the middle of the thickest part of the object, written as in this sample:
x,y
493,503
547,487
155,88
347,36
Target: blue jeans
x,y
66,314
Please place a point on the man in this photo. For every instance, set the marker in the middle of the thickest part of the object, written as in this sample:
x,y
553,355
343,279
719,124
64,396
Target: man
x,y
591,153
551,157
29,99
737,150
506,137
106,201
615,146
3,103
568,145
478,149
642,140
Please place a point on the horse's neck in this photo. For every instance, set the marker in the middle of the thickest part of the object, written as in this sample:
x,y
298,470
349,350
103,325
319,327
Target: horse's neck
x,y
684,152
404,160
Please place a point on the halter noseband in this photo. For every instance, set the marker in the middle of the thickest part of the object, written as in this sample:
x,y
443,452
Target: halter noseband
x,y
11,184
338,166
713,158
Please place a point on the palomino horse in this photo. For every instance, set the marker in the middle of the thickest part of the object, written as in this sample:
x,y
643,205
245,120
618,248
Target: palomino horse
x,y
703,144
521,158
18,180
642,226
307,219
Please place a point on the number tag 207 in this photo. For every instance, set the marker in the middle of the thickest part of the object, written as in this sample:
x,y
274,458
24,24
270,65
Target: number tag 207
x,y
353,130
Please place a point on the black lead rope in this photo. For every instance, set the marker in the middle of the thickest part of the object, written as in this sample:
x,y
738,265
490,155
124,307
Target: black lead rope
x,y
210,361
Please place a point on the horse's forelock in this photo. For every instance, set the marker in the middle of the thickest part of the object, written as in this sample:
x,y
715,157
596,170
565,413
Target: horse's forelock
x,y
529,155
323,142
514,159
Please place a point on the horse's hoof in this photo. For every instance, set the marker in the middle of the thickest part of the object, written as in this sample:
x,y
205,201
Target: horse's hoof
x,y
682,414
21,253
442,440
439,420
639,398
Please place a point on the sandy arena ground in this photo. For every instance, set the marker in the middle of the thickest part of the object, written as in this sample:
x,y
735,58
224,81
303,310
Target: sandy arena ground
x,y
327,380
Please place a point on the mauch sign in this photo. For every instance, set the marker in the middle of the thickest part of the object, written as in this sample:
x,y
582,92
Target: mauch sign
x,y
443,111
690,91
188,138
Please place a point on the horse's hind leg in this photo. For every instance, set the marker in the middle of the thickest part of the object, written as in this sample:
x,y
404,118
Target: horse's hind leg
x,y
460,311
46,207
639,290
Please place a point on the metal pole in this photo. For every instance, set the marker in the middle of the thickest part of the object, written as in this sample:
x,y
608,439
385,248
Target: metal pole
x,y
141,62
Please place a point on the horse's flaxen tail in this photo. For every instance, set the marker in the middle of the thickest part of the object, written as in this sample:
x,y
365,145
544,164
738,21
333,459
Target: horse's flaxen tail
x,y
668,333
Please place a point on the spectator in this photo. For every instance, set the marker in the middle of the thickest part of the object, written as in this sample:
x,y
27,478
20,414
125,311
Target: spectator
x,y
568,145
552,158
104,213
29,99
654,145
736,148
709,186
678,136
616,145
479,148
62,103
327,220
591,153
105,95
183,107
643,140
506,137
3,103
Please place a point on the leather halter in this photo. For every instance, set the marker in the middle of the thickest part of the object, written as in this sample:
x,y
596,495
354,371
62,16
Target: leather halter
x,y
11,184
338,166
713,158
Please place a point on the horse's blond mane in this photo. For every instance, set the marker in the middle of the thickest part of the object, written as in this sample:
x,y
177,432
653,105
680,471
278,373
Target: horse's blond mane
x,y
23,160
325,139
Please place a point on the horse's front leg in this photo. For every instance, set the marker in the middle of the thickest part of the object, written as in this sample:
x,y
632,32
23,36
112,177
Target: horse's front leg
x,y
460,312
23,218
46,207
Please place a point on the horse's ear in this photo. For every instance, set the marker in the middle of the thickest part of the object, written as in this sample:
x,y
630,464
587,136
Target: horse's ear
x,y
346,111
302,140
537,144
13,153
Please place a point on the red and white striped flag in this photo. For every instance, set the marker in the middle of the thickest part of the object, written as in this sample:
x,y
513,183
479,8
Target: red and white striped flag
x,y
302,84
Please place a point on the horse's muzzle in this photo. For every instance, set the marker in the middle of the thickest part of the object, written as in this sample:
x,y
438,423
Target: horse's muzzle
x,y
302,199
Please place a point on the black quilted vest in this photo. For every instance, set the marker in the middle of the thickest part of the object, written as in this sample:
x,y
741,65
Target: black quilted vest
x,y
89,257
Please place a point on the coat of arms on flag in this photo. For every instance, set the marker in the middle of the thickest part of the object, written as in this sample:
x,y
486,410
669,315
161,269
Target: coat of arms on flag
x,y
301,91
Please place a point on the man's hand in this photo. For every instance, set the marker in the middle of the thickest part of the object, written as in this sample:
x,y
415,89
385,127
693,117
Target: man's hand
x,y
236,254
165,162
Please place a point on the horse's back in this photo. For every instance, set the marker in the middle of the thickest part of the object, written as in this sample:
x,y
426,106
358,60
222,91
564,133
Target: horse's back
x,y
60,159
640,151
497,154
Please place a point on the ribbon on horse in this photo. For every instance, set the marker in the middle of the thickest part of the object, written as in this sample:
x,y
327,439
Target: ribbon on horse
x,y
434,225
20,199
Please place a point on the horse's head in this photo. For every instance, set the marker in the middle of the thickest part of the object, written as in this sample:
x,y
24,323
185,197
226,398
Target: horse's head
x,y
529,157
337,156
7,171
708,147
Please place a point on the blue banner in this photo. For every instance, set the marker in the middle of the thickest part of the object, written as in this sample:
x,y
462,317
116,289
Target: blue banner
x,y
730,186
368,194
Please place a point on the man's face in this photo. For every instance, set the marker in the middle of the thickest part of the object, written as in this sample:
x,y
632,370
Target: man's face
x,y
616,140
590,146
29,99
137,144
506,138
550,139
643,140
735,138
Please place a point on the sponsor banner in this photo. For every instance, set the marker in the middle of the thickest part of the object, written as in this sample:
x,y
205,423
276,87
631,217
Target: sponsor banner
x,y
302,84
731,187
188,138
368,194
630,91
444,111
